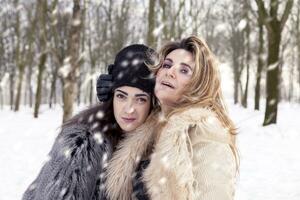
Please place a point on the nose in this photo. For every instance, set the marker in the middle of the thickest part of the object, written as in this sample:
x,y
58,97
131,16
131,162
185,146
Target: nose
x,y
129,107
171,72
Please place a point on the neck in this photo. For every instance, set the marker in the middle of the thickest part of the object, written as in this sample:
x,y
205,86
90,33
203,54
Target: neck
x,y
166,109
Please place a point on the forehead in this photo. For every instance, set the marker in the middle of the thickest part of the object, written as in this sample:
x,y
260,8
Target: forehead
x,y
181,55
131,90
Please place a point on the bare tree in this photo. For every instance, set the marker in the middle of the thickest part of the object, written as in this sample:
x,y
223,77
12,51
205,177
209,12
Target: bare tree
x,y
259,64
236,45
42,10
69,79
59,31
298,40
24,54
248,53
151,23
19,59
274,27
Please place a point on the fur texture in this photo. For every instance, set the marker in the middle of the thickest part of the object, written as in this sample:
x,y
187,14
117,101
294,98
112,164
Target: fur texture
x,y
121,168
75,169
192,159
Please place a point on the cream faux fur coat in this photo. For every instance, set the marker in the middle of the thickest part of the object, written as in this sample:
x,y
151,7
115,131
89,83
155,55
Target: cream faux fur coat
x,y
192,159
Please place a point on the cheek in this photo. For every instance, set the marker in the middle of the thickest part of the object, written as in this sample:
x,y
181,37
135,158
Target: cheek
x,y
184,81
159,74
117,107
143,112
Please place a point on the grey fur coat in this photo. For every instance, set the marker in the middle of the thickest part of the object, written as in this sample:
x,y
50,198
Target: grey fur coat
x,y
75,170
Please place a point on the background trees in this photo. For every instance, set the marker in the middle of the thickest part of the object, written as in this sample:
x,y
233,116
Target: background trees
x,y
52,51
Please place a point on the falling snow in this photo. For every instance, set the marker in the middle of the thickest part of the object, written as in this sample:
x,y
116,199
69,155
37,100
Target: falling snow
x,y
269,156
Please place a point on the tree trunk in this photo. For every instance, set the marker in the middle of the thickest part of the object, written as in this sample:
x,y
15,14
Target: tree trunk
x,y
1,98
18,59
164,19
298,42
78,91
274,27
259,65
42,5
11,88
236,79
274,39
151,24
83,40
69,82
19,88
38,94
91,92
245,96
291,79
30,87
53,86
56,60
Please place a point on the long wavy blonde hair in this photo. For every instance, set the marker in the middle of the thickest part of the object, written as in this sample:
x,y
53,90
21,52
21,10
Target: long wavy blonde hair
x,y
204,88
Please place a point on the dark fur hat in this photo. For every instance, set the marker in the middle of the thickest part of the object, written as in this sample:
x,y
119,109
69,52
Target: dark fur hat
x,y
129,68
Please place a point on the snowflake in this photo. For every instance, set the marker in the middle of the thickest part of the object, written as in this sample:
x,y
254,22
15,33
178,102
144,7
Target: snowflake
x,y
63,192
95,125
89,167
98,137
67,153
91,117
162,181
99,115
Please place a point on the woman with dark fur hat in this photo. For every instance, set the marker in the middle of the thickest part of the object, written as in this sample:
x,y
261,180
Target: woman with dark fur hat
x,y
80,154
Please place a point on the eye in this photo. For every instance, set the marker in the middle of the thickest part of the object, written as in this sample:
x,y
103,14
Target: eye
x,y
185,70
120,96
166,65
141,100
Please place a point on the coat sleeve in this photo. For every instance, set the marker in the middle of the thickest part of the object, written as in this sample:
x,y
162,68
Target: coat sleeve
x,y
214,167
75,166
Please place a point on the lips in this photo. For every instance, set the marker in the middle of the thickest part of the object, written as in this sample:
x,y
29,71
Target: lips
x,y
128,119
165,83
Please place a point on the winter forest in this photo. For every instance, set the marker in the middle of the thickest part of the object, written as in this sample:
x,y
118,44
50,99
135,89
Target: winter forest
x,y
52,51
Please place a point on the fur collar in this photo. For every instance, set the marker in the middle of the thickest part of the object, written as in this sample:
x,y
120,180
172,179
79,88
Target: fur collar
x,y
205,119
125,159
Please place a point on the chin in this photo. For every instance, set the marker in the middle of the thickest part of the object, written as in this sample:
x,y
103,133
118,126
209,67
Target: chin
x,y
128,128
162,96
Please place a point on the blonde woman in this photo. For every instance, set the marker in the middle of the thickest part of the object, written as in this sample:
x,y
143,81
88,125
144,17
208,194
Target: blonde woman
x,y
194,156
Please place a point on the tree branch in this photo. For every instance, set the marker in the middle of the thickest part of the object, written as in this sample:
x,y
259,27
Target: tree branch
x,y
262,12
286,13
273,8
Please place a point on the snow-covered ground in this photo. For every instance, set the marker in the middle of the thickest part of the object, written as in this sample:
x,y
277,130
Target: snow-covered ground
x,y
270,156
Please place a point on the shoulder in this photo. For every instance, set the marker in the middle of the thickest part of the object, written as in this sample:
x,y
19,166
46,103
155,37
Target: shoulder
x,y
193,115
201,123
76,161
80,139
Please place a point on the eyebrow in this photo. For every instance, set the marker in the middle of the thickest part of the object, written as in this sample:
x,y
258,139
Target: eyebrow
x,y
122,92
142,95
136,95
170,60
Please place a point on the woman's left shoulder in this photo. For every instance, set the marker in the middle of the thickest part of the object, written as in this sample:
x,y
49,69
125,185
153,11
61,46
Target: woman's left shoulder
x,y
202,123
194,115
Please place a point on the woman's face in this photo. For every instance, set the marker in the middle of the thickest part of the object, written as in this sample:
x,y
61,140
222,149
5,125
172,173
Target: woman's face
x,y
173,76
131,107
